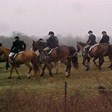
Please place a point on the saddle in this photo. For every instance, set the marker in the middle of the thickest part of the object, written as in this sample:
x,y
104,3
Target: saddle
x,y
14,58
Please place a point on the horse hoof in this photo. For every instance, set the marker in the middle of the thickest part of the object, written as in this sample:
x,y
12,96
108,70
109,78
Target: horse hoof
x,y
9,77
99,68
19,78
28,77
87,69
41,75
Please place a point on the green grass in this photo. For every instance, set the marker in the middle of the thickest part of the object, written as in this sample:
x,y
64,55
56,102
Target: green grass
x,y
47,95
79,80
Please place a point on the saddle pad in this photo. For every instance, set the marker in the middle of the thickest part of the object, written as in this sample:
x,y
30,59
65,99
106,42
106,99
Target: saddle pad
x,y
18,53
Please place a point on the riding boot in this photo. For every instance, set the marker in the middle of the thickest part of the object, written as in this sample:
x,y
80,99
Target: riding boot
x,y
14,61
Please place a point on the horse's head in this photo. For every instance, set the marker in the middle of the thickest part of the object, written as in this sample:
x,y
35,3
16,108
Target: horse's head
x,y
4,52
1,51
38,45
80,46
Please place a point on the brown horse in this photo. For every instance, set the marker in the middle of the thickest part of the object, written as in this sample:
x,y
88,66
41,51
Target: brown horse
x,y
4,54
66,54
96,51
24,57
39,46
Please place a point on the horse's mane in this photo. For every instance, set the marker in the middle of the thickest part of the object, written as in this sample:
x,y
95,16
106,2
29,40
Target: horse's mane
x,y
5,49
82,44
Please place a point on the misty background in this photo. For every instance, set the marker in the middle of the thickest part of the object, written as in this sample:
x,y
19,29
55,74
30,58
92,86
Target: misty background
x,y
69,19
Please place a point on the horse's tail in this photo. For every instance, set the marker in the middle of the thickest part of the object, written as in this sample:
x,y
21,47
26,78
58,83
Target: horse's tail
x,y
110,52
75,61
74,56
35,63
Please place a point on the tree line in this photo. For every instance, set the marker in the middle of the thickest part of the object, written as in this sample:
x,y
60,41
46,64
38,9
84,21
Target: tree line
x,y
63,40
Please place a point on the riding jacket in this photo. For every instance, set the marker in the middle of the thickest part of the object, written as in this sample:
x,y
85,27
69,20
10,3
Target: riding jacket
x,y
52,42
91,40
105,39
18,46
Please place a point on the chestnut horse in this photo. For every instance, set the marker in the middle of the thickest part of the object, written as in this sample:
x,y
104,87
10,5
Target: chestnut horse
x,y
24,57
96,51
4,54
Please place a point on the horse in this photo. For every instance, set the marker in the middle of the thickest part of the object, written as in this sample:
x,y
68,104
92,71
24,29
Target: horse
x,y
24,57
66,54
38,46
96,51
4,54
62,53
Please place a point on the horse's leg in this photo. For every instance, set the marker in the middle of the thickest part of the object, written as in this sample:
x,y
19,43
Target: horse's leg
x,y
11,70
35,68
7,65
56,66
17,72
30,69
86,62
110,59
49,67
101,61
68,67
94,61
43,69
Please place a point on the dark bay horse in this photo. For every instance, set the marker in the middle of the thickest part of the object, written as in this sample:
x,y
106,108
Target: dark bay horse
x,y
25,57
96,51
38,46
4,54
65,54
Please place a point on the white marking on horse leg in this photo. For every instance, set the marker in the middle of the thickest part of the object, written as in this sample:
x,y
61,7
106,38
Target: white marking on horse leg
x,y
66,73
29,75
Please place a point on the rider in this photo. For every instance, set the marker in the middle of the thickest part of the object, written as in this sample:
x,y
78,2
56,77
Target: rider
x,y
105,38
17,46
91,41
52,42
41,40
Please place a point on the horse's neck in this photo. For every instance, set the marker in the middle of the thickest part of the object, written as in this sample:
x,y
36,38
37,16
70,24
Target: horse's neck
x,y
5,50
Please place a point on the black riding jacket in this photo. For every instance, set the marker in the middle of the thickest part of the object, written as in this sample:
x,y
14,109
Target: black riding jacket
x,y
105,39
52,42
91,40
18,46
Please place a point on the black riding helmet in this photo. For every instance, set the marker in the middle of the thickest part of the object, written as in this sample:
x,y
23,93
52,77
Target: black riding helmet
x,y
104,32
90,31
17,37
51,32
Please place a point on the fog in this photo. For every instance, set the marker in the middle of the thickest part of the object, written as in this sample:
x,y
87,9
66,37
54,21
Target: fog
x,y
65,17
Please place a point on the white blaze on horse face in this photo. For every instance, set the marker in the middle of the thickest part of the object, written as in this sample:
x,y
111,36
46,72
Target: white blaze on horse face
x,y
37,52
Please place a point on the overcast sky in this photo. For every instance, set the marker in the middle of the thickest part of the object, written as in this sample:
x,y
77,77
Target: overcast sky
x,y
38,17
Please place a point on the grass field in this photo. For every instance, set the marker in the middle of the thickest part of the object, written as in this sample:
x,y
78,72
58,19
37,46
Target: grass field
x,y
47,95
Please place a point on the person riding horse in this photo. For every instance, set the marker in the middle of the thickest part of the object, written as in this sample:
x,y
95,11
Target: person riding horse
x,y
17,46
91,41
52,42
105,38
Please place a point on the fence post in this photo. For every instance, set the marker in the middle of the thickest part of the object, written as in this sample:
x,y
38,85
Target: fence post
x,y
65,90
